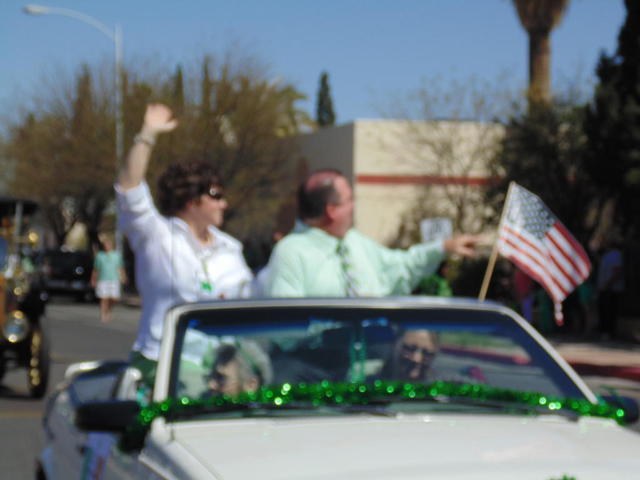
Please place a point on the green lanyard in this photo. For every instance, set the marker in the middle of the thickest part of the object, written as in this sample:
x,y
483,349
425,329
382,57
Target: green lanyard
x,y
206,284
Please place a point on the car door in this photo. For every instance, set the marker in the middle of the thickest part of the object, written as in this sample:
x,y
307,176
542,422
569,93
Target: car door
x,y
64,441
74,453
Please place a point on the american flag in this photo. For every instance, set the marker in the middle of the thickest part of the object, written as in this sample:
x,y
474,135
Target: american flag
x,y
539,244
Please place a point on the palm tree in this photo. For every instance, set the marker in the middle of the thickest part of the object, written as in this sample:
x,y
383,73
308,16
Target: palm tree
x,y
539,18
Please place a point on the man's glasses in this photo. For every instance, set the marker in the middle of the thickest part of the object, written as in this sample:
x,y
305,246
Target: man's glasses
x,y
215,193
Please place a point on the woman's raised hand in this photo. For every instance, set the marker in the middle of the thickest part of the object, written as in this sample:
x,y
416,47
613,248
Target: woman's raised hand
x,y
158,119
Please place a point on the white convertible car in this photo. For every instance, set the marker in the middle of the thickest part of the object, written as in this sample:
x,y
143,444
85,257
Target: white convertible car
x,y
399,388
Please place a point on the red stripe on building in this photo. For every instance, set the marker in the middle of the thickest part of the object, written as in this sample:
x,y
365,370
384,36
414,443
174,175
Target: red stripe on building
x,y
425,180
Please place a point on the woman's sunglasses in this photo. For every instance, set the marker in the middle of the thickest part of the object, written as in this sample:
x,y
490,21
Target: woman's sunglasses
x,y
215,193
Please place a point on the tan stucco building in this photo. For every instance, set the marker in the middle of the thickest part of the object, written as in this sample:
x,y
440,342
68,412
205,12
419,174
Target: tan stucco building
x,y
390,162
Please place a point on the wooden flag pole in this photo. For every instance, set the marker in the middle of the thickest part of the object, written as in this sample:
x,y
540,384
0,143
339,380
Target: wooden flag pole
x,y
494,251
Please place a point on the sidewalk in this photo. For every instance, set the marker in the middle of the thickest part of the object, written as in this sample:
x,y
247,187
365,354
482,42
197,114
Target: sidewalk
x,y
600,358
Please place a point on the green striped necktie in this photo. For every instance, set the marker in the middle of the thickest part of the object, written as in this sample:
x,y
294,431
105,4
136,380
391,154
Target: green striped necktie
x,y
351,284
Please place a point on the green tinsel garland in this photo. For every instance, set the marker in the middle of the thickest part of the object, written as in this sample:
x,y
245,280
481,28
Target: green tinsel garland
x,y
329,393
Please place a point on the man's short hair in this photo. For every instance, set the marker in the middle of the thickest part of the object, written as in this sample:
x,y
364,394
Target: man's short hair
x,y
316,192
182,182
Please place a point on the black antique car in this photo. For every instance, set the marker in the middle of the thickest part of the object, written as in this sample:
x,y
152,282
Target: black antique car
x,y
24,340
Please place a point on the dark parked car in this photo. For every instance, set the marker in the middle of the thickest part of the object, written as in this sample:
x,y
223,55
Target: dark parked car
x,y
68,272
24,340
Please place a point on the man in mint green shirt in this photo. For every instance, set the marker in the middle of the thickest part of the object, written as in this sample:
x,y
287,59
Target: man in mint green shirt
x,y
331,259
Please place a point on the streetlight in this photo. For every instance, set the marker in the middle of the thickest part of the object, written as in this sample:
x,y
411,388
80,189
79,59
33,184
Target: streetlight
x,y
116,37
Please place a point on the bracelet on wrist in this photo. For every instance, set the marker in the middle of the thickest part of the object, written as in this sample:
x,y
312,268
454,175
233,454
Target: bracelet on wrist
x,y
141,138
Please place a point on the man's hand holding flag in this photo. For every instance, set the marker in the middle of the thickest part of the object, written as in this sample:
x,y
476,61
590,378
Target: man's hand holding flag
x,y
533,238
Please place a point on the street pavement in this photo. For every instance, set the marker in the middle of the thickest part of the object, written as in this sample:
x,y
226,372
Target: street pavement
x,y
76,334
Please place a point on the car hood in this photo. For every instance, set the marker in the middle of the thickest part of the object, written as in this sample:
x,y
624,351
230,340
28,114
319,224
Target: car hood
x,y
412,447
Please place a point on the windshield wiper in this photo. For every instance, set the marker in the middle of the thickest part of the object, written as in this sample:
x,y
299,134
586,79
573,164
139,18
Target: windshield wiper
x,y
247,408
258,408
508,407
372,409
195,410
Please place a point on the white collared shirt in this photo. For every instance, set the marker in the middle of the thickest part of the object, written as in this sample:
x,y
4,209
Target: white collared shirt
x,y
172,267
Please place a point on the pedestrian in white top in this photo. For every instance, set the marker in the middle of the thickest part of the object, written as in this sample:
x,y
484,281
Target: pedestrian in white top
x,y
180,254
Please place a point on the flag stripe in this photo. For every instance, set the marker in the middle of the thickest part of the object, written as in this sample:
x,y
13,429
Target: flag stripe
x,y
535,240
574,250
536,272
528,257
560,262
563,262
535,250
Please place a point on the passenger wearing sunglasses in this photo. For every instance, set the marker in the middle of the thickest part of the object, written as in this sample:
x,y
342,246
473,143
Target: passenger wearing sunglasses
x,y
180,253
412,360
412,357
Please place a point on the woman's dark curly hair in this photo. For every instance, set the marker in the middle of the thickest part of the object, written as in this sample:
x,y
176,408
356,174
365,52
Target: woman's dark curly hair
x,y
183,182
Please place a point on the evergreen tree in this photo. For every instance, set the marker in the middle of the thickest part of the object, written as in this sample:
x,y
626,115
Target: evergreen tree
x,y
612,125
62,153
91,157
543,150
177,94
325,116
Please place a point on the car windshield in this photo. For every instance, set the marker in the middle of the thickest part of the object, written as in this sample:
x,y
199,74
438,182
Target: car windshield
x,y
229,351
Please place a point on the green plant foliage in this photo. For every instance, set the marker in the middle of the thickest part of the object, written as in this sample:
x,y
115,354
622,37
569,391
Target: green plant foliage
x,y
62,151
325,116
612,124
543,150
63,156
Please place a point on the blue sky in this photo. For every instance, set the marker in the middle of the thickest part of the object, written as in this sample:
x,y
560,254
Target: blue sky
x,y
372,50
